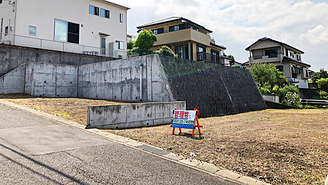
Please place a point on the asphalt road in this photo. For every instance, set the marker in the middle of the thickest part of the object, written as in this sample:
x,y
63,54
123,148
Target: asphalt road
x,y
37,150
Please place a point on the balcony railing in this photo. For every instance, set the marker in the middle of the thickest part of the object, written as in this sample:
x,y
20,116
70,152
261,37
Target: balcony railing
x,y
39,43
207,57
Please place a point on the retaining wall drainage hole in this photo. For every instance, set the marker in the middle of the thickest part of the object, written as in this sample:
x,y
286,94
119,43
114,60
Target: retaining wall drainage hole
x,y
45,81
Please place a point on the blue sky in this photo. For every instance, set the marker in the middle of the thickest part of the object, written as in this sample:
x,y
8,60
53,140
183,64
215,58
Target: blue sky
x,y
236,24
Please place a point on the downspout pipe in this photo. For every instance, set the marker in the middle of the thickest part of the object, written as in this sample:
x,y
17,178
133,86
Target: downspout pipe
x,y
141,74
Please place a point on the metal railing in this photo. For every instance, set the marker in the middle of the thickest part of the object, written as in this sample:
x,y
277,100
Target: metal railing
x,y
34,42
207,57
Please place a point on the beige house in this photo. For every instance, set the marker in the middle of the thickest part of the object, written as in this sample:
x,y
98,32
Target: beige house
x,y
186,38
286,58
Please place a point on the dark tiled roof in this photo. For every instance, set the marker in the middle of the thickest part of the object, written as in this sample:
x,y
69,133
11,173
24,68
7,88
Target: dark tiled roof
x,y
222,47
287,59
268,39
168,20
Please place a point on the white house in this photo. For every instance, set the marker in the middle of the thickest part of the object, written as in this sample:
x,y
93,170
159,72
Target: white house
x,y
95,27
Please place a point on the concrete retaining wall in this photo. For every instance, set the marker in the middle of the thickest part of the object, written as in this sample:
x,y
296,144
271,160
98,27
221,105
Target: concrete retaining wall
x,y
120,80
13,82
132,115
51,80
14,56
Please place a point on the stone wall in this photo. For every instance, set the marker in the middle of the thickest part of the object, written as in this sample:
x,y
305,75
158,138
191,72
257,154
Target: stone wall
x,y
132,115
213,89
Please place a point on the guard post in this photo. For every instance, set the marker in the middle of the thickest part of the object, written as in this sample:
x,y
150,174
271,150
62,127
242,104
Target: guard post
x,y
187,119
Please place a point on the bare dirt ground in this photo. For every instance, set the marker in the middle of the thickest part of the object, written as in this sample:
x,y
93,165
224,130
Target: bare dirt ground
x,y
276,146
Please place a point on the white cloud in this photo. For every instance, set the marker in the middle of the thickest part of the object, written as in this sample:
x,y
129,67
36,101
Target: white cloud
x,y
238,23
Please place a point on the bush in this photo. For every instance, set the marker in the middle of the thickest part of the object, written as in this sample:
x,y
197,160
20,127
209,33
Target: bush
x,y
166,51
322,81
130,44
309,107
284,90
323,94
139,51
293,99
265,90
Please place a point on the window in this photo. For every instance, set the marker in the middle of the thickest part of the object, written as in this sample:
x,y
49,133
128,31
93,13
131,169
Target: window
x,y
104,13
271,53
158,31
121,17
6,30
32,30
182,52
93,10
201,53
67,31
177,27
280,68
120,44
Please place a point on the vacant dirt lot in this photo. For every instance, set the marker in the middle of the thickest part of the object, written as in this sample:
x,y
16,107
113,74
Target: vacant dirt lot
x,y
276,146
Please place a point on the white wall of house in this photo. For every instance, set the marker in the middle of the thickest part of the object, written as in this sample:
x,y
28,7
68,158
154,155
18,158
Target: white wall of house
x,y
43,13
7,16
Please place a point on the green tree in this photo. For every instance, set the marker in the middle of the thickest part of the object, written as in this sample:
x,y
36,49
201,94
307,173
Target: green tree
x,y
318,75
166,51
267,76
130,44
145,40
323,81
232,62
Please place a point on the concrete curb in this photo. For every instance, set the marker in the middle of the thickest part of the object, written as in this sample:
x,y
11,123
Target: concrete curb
x,y
192,163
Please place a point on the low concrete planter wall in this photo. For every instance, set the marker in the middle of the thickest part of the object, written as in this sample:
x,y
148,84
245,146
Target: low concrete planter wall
x,y
271,98
132,115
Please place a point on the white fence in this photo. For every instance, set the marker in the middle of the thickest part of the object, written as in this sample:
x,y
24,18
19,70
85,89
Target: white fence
x,y
33,42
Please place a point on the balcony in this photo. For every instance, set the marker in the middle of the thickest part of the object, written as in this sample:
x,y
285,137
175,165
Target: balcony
x,y
207,57
268,58
184,35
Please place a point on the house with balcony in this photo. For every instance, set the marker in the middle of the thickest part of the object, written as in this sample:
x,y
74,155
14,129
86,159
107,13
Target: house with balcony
x,y
96,27
287,59
186,38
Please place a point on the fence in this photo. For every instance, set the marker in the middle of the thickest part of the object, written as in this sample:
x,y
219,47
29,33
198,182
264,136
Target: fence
x,y
39,43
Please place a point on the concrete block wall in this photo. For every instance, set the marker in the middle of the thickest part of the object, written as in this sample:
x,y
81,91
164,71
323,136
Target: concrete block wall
x,y
120,80
14,56
132,115
51,80
13,82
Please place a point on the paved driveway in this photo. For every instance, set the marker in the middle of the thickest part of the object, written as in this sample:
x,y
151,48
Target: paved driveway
x,y
37,150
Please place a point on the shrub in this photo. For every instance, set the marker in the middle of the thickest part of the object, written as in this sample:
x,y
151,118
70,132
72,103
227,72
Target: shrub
x,y
322,81
293,99
166,51
323,94
139,51
284,90
265,90
309,107
130,44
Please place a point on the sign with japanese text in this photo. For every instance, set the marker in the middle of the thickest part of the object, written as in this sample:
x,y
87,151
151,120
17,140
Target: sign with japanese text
x,y
184,119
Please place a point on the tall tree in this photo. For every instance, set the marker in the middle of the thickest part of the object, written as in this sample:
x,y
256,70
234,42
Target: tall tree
x,y
318,75
267,75
145,40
